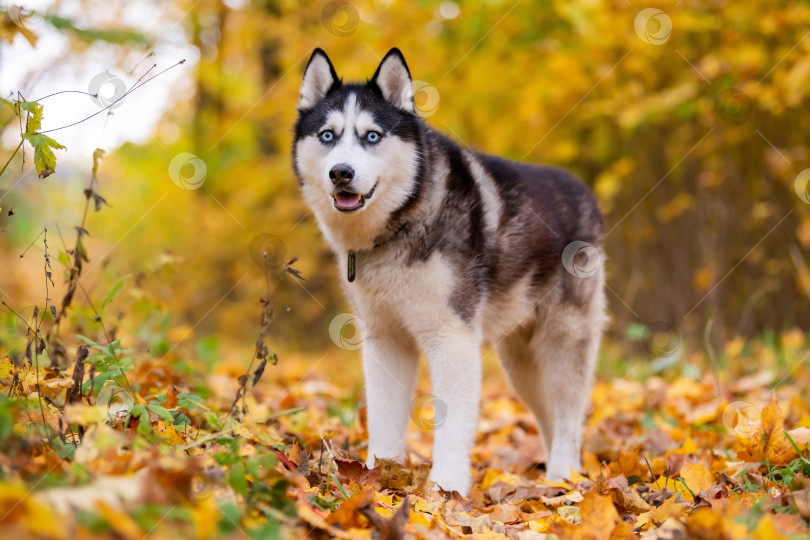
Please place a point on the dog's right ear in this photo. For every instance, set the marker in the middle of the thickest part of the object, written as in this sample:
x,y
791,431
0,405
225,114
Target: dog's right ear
x,y
319,78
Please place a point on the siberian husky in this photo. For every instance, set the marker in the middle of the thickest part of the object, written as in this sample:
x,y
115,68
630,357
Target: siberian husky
x,y
443,249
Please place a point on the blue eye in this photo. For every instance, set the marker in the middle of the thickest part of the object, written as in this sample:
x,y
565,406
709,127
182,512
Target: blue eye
x,y
327,136
373,137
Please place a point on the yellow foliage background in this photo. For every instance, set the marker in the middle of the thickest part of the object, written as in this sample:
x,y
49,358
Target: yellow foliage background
x,y
693,147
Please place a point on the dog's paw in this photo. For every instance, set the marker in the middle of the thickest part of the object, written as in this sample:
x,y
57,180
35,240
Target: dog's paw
x,y
458,480
561,470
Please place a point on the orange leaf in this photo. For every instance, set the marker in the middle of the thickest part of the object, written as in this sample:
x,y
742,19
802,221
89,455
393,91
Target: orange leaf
x,y
599,519
348,515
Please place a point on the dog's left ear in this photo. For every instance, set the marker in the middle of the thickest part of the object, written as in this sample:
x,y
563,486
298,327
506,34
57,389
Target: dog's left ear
x,y
394,80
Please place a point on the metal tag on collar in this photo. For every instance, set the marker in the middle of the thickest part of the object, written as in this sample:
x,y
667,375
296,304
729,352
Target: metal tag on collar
x,y
351,266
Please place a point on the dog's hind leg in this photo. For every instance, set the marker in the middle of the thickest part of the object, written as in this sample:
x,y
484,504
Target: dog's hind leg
x,y
550,365
565,350
523,373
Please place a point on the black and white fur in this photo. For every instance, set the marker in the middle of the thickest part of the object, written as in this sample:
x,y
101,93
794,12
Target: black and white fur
x,y
453,249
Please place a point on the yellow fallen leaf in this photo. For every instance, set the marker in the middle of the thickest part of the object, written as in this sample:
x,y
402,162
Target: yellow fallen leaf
x,y
658,515
689,447
489,477
420,518
770,442
705,523
7,368
577,478
119,521
205,516
543,525
168,432
697,477
383,511
672,484
766,530
597,515
83,414
37,518
555,484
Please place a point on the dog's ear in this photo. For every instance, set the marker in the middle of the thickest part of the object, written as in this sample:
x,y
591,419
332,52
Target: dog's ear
x,y
394,80
319,78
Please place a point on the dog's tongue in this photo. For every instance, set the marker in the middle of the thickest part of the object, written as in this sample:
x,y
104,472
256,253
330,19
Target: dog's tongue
x,y
347,201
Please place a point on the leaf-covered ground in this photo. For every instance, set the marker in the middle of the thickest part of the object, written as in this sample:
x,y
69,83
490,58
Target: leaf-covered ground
x,y
164,447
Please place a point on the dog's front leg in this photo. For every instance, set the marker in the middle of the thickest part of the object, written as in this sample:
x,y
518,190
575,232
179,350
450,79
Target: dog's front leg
x,y
455,372
390,364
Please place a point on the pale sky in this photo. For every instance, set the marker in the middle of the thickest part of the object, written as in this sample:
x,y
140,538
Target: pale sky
x,y
51,68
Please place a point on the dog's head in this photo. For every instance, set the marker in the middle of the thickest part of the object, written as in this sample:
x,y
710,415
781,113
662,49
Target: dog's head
x,y
356,145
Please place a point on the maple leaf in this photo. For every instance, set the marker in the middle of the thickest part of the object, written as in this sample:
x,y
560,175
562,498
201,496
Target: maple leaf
x,y
771,443
44,158
697,477
348,515
598,519
658,515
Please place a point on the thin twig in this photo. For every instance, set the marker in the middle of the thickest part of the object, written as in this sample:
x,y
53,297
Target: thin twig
x,y
36,338
32,243
652,474
138,84
12,157
66,92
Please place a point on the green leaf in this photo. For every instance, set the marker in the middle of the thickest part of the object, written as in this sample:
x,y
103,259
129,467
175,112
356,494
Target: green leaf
x,y
161,412
144,427
231,516
63,259
100,379
34,122
6,419
112,293
268,460
269,531
253,468
44,158
237,478
29,106
115,345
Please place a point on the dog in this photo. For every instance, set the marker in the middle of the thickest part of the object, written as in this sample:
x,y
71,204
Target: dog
x,y
443,249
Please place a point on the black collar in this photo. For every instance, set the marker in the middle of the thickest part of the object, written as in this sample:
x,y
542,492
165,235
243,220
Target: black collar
x,y
351,263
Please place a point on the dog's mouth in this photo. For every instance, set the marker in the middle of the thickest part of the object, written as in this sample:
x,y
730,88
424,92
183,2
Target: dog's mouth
x,y
349,201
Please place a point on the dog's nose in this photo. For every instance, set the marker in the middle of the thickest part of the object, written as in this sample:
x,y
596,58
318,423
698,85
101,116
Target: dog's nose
x,y
341,174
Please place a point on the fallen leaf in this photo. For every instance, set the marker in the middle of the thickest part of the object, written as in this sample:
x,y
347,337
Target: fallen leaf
x,y
598,517
348,515
697,477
